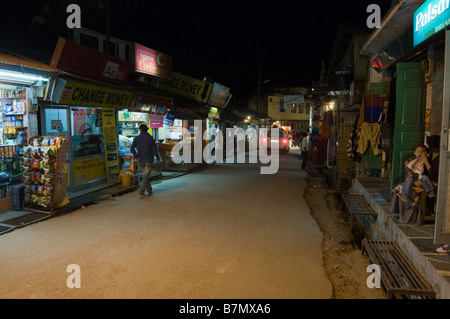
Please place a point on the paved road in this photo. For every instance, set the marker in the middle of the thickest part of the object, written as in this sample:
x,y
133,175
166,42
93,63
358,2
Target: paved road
x,y
223,232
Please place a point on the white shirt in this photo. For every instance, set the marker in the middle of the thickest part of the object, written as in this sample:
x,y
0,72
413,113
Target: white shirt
x,y
304,143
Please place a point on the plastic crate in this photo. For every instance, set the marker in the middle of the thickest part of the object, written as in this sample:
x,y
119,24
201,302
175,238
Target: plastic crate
x,y
17,196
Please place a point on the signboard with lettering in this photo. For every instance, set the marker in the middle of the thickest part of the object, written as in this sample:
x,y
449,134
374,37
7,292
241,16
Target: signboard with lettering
x,y
150,103
152,62
169,118
430,18
219,95
156,120
186,86
81,94
88,170
293,99
87,62
111,149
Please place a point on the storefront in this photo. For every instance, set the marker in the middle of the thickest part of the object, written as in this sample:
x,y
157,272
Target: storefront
x,y
21,84
177,123
415,69
86,115
145,109
190,98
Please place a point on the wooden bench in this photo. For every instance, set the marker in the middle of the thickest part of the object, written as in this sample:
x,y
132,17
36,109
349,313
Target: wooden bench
x,y
398,274
355,205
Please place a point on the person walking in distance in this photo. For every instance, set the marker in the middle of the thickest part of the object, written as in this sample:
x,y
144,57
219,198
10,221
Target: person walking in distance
x,y
304,149
144,148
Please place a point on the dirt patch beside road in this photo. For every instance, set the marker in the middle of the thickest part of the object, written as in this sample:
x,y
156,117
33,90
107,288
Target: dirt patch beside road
x,y
346,265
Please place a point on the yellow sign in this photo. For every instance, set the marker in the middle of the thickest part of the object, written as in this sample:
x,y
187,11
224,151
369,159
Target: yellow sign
x,y
188,87
75,93
214,113
88,170
110,139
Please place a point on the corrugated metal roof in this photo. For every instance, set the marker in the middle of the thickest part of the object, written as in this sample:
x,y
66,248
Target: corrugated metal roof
x,y
394,23
19,62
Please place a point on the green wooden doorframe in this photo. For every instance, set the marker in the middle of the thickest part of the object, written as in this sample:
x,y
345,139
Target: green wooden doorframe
x,y
409,128
442,226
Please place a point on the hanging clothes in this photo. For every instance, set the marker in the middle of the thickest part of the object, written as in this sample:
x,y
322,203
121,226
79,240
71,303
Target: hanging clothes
x,y
387,126
373,108
325,127
370,134
331,154
361,115
352,144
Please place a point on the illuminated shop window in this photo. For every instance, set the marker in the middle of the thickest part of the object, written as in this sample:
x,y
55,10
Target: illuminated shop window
x,y
87,131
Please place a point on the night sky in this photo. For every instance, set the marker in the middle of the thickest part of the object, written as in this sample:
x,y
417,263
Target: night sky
x,y
223,40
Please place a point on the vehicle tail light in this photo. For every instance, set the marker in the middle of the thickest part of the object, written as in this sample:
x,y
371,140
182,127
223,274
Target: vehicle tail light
x,y
285,141
264,139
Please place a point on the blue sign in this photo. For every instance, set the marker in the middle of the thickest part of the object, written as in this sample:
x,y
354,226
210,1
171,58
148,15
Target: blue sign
x,y
430,18
169,118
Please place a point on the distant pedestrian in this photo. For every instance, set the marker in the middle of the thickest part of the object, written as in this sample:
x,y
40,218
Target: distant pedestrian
x,y
304,148
315,154
144,148
295,138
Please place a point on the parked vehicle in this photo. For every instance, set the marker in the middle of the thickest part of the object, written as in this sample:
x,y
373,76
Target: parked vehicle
x,y
280,141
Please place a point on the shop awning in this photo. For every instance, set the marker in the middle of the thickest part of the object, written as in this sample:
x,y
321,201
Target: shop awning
x,y
189,114
391,41
397,20
228,116
90,63
68,91
143,102
18,63
19,70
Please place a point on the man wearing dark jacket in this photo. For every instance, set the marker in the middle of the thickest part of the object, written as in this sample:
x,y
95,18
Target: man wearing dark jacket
x,y
144,148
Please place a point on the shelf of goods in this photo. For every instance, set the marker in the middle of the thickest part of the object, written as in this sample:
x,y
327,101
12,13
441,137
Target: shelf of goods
x,y
13,134
10,173
44,161
131,127
130,121
13,119
129,163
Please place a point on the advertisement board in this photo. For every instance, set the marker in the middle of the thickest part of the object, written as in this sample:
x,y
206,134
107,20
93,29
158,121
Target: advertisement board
x,y
187,86
430,18
152,62
219,95
87,62
156,120
87,170
111,148
77,93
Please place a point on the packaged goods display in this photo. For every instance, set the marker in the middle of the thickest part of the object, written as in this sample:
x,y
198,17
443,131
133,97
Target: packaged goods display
x,y
10,168
14,122
13,115
40,170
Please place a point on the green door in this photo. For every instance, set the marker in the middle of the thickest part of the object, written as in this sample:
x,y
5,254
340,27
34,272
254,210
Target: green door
x,y
409,129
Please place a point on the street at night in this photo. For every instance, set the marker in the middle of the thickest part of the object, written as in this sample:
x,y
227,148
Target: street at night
x,y
191,151
191,239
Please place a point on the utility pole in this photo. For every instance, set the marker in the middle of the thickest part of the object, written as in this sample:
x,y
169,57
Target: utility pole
x,y
259,83
108,27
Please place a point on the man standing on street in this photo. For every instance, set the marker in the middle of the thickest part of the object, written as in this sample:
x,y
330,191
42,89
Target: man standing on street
x,y
146,152
304,149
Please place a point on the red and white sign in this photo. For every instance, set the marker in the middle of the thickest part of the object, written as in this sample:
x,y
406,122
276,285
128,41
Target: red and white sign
x,y
156,120
152,62
86,62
